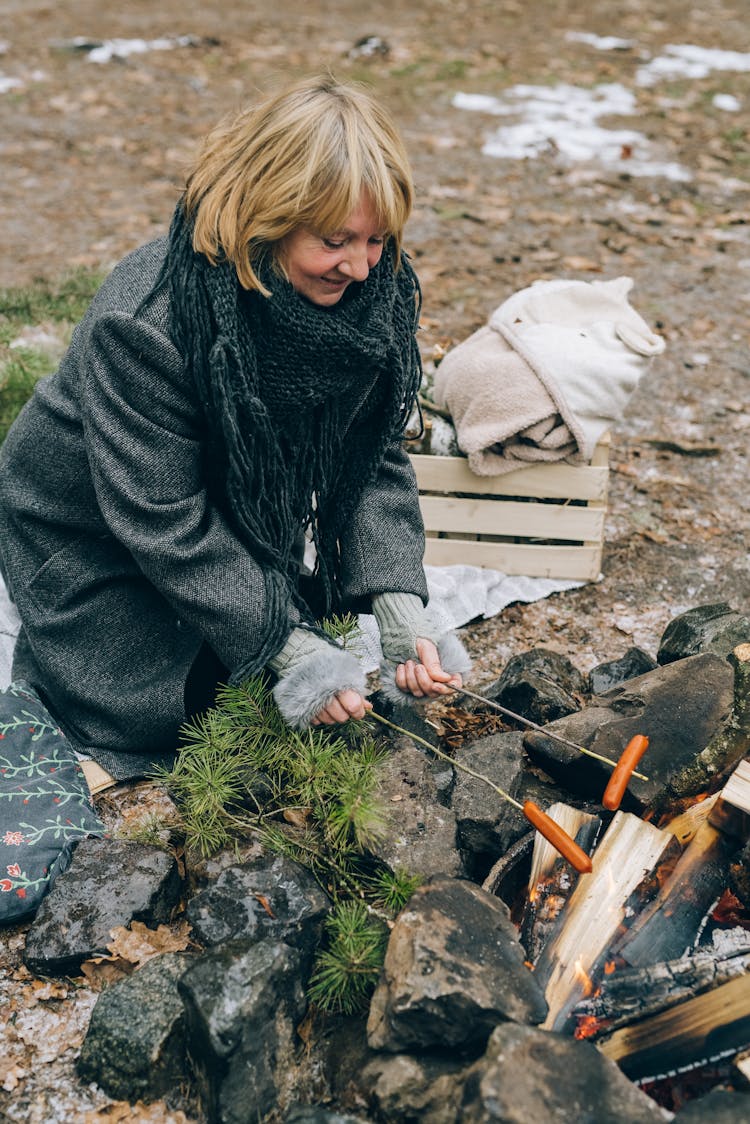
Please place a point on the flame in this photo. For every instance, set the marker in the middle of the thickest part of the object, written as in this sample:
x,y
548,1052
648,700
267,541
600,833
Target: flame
x,y
583,978
609,967
588,1025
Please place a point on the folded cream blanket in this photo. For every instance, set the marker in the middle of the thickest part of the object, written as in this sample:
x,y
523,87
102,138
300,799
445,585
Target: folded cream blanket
x,y
547,375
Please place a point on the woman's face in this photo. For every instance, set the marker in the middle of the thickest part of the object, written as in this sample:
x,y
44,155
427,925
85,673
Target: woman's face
x,y
320,269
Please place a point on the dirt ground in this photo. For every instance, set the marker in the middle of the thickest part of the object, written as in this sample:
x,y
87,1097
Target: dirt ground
x,y
93,155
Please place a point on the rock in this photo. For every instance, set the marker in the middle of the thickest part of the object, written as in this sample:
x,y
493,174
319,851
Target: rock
x,y
204,870
607,675
679,707
110,882
720,1106
540,685
409,1089
243,1001
708,628
530,1074
419,835
268,897
135,1044
453,969
487,824
316,1114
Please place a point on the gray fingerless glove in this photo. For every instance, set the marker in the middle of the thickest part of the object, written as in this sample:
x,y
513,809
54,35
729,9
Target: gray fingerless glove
x,y
311,671
402,620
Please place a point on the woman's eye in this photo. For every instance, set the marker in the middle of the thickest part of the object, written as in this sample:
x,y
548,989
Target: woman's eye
x,y
332,244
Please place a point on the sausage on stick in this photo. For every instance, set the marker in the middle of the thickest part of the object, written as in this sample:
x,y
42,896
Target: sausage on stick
x,y
559,839
623,771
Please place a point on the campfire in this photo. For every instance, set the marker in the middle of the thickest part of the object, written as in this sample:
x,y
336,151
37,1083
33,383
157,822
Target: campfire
x,y
648,955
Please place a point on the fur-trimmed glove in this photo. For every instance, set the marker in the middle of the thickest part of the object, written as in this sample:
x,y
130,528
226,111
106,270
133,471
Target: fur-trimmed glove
x,y
311,672
402,620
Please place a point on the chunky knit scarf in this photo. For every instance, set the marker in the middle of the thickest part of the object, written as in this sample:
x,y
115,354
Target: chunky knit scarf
x,y
300,402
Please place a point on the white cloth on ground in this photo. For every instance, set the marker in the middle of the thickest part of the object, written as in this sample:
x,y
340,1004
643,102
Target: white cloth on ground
x,y
548,374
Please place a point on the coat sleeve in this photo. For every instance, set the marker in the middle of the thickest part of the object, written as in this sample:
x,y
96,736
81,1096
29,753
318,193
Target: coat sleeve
x,y
383,547
144,442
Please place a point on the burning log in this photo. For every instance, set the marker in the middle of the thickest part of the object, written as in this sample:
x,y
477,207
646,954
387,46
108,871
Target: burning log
x,y
551,881
587,926
628,994
731,812
703,1029
672,921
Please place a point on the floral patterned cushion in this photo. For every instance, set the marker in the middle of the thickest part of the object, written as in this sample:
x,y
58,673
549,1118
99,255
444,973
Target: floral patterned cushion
x,y
45,807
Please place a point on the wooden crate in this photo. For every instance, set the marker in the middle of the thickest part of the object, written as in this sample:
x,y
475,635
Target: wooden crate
x,y
544,520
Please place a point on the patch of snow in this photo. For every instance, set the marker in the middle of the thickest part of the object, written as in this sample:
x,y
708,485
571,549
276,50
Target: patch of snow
x,y
727,102
122,48
39,338
687,61
4,45
600,42
563,119
7,84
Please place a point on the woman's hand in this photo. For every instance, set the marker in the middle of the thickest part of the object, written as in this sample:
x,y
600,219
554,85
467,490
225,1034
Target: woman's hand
x,y
343,706
425,678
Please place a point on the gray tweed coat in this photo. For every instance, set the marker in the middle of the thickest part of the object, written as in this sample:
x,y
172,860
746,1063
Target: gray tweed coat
x,y
121,568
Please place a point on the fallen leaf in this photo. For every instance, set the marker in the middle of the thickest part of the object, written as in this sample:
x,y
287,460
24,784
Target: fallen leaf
x,y
101,972
138,944
297,817
586,265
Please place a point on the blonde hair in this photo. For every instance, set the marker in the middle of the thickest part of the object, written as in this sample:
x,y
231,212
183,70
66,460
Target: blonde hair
x,y
300,158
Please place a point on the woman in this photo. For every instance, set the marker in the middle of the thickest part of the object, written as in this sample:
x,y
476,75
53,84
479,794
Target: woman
x,y
231,387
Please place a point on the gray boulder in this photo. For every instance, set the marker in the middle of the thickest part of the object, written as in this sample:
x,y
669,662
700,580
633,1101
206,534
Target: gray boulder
x,y
110,882
453,969
679,708
414,1089
135,1044
541,685
531,1074
714,628
720,1106
487,824
419,834
269,897
243,1001
611,674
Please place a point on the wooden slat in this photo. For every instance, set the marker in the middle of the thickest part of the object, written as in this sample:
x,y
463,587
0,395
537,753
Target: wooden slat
x,y
547,481
509,517
579,563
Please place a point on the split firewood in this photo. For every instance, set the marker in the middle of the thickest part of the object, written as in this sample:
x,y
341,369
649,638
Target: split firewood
x,y
551,881
585,930
731,812
672,921
628,994
703,1029
686,824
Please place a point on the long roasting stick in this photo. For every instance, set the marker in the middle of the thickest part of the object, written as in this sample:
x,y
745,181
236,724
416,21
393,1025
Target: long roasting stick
x,y
543,823
541,729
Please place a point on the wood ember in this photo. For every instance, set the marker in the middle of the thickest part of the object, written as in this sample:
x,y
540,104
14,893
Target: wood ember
x,y
627,994
704,1028
672,921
